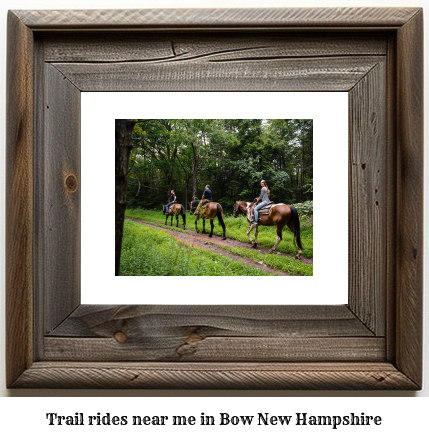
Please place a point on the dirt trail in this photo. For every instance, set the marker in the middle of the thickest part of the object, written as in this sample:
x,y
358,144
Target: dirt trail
x,y
216,244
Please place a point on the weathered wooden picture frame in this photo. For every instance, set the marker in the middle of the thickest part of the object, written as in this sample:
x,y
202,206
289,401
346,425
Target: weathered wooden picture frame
x,y
373,342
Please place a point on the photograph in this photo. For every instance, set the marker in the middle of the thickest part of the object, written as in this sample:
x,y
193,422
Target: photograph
x,y
214,197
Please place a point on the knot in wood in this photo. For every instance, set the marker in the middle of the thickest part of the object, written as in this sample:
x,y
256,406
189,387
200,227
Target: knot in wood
x,y
193,337
71,183
120,337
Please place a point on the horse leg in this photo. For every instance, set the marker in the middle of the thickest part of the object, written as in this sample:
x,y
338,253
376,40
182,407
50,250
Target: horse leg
x,y
223,228
204,226
279,229
196,227
212,226
177,220
171,222
248,234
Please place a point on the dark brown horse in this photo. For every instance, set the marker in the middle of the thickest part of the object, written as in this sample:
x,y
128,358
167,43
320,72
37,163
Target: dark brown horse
x,y
210,211
279,216
175,209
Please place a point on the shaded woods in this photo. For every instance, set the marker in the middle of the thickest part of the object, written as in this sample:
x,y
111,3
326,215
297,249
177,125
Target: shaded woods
x,y
123,146
232,156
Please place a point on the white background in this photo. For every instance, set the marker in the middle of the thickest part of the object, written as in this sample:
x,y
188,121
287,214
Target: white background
x,y
16,414
329,110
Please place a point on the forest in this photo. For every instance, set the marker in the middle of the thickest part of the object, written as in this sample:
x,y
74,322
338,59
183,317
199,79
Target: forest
x,y
231,155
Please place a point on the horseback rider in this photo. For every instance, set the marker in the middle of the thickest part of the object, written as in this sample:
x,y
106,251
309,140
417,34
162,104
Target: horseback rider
x,y
264,197
205,198
172,200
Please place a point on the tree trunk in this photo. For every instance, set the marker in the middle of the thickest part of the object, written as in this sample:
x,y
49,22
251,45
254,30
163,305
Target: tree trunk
x,y
169,188
187,180
123,146
194,181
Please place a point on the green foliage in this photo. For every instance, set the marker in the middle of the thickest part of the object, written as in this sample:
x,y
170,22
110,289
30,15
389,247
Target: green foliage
x,y
305,212
227,205
245,195
304,209
150,252
279,182
248,172
233,156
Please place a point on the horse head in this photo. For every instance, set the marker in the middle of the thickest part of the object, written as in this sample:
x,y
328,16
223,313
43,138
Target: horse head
x,y
236,209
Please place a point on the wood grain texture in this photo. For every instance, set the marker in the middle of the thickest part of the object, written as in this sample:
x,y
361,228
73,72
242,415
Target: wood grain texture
x,y
153,347
374,343
368,201
175,47
213,333
329,74
391,192
19,200
377,376
61,185
409,273
99,321
217,18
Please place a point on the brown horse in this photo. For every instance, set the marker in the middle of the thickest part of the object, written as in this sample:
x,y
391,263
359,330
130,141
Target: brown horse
x,y
210,211
175,209
279,216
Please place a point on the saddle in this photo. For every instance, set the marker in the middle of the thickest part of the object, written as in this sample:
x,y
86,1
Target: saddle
x,y
205,208
170,209
205,204
265,210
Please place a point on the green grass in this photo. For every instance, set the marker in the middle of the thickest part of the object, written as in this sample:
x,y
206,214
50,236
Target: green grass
x,y
282,263
236,228
155,216
151,252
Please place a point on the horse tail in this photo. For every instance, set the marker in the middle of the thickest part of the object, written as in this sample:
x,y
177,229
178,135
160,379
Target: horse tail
x,y
297,233
219,208
219,215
